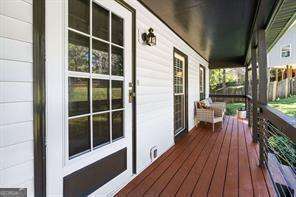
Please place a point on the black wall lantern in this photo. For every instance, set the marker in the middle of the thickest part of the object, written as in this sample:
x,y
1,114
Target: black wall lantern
x,y
149,38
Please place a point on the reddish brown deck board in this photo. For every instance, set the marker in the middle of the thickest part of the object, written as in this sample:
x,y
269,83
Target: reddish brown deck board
x,y
149,180
137,180
159,185
218,179
231,180
256,172
220,163
245,180
203,184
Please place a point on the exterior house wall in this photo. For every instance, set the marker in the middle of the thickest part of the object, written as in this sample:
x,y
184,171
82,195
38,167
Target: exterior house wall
x,y
154,90
16,95
155,110
274,58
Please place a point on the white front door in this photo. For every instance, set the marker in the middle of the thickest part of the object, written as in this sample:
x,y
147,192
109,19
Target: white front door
x,y
88,69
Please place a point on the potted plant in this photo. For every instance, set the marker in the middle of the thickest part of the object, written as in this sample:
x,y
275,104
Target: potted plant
x,y
241,113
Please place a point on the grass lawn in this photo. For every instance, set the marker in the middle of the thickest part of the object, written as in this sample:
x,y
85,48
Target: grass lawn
x,y
231,108
286,105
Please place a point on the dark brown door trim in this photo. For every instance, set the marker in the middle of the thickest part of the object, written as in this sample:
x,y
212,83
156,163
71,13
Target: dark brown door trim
x,y
204,82
134,104
39,97
186,92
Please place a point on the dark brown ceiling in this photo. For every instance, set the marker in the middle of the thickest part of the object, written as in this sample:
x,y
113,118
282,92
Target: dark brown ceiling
x,y
218,30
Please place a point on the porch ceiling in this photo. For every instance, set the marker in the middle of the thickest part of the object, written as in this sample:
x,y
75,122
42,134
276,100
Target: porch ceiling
x,y
218,30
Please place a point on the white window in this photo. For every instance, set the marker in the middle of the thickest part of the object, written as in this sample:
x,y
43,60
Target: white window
x,y
286,51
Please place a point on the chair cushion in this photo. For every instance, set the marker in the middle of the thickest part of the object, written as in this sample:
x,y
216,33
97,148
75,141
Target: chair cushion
x,y
204,104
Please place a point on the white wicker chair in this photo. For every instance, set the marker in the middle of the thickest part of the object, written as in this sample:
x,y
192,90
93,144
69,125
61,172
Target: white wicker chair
x,y
211,115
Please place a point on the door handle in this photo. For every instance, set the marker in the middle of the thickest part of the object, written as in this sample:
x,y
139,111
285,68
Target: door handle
x,y
131,96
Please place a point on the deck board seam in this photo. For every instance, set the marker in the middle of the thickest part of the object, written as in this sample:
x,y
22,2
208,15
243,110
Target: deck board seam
x,y
177,156
226,129
198,140
221,130
228,156
155,167
197,157
211,148
202,148
252,178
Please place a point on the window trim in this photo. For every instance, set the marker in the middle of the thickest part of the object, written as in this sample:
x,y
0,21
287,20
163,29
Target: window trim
x,y
288,48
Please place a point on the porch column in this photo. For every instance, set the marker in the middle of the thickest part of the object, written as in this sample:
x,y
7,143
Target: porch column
x,y
246,93
263,82
254,95
262,61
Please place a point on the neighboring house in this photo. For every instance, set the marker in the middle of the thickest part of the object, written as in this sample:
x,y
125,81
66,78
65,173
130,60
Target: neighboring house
x,y
284,50
85,102
281,58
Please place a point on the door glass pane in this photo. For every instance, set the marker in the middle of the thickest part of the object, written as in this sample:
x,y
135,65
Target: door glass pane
x,y
117,124
117,30
100,95
79,135
78,96
78,51
117,94
79,15
117,61
100,55
179,112
100,26
101,129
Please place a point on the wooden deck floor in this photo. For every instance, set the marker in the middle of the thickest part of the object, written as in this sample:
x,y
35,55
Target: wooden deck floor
x,y
206,163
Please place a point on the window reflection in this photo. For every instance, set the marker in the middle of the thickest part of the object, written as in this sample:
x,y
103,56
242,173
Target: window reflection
x,y
101,129
100,57
100,95
78,96
79,15
117,30
117,94
100,22
78,52
117,124
117,61
79,135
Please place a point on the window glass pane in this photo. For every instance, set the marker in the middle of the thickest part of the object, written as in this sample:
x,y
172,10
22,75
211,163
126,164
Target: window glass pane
x,y
79,15
117,94
100,22
117,124
78,96
100,95
100,57
78,52
79,135
117,30
117,61
101,129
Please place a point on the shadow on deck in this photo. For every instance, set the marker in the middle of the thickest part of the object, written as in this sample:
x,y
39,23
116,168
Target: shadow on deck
x,y
206,163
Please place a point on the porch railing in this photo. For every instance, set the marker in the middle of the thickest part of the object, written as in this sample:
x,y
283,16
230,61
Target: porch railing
x,y
277,146
276,134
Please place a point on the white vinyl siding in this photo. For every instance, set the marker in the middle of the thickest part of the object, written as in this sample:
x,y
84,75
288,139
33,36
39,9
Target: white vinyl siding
x,y
155,121
16,95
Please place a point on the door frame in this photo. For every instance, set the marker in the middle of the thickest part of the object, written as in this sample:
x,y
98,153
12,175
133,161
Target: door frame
x,y
39,94
134,80
204,81
185,130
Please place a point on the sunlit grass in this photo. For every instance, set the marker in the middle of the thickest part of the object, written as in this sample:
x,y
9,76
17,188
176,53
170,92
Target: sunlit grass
x,y
286,105
231,108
